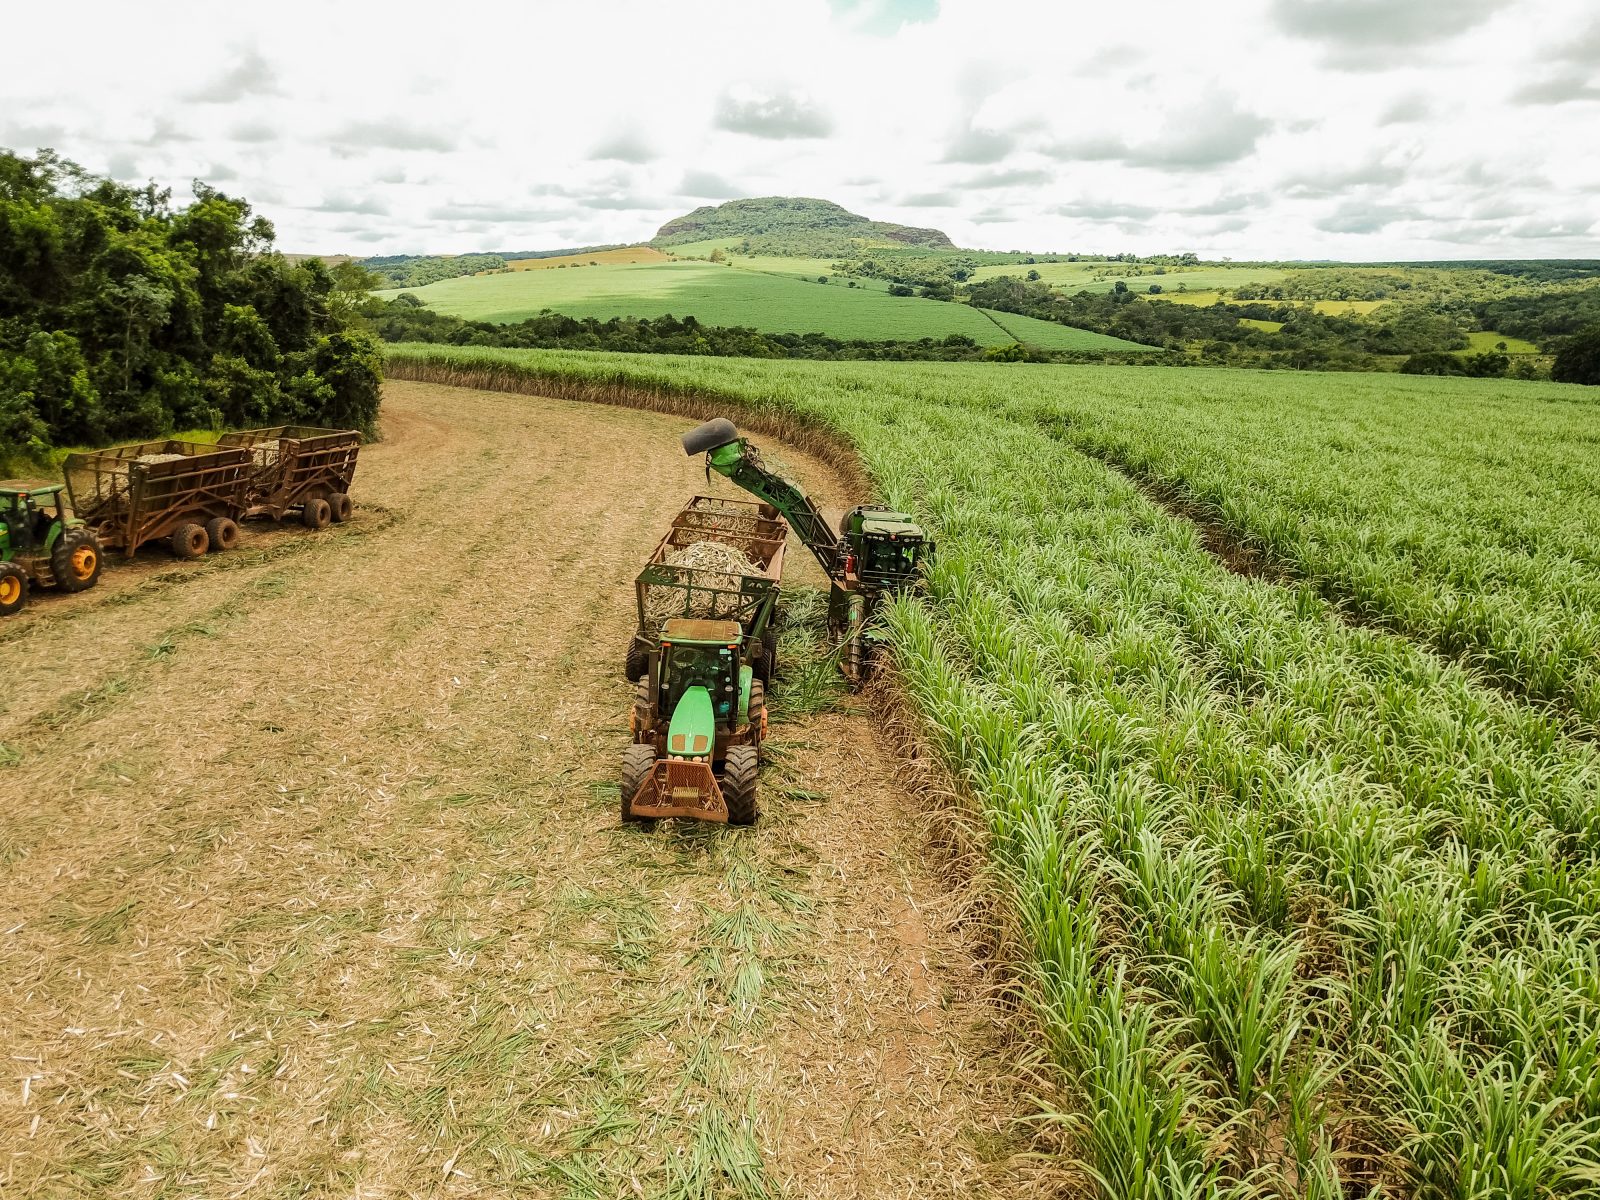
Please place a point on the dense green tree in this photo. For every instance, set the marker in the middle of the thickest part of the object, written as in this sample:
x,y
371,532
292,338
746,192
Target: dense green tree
x,y
121,316
1578,358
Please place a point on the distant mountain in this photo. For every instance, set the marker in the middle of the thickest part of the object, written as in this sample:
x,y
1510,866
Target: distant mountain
x,y
786,218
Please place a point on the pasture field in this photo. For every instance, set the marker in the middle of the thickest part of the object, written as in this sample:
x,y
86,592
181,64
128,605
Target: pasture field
x,y
1331,308
627,254
312,881
1097,277
1310,899
1482,341
722,295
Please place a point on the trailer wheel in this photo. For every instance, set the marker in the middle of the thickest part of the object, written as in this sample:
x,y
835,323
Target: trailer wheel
x,y
76,560
341,506
189,541
315,513
224,534
638,662
769,639
642,733
758,714
739,785
13,588
638,762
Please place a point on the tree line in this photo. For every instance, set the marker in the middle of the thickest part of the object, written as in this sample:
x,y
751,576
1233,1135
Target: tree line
x,y
123,317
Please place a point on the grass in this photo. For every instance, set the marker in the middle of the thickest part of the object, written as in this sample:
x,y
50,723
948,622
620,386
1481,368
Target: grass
x,y
726,295
1309,908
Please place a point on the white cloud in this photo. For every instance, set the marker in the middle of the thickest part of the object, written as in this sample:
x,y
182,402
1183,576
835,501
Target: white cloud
x,y
1375,129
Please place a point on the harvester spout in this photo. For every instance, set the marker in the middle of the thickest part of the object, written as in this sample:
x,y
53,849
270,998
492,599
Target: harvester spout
x,y
718,431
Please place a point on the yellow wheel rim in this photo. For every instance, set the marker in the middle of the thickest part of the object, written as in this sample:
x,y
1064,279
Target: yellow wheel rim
x,y
83,561
10,589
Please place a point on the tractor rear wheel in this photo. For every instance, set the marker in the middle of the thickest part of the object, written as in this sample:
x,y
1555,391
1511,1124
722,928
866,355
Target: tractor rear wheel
x,y
224,534
739,785
638,763
341,506
189,541
76,560
13,588
315,513
642,733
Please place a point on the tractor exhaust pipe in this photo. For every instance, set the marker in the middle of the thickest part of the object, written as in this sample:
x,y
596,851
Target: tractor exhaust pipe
x,y
718,431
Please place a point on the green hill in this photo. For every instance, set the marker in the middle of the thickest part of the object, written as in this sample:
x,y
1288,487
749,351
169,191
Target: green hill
x,y
786,218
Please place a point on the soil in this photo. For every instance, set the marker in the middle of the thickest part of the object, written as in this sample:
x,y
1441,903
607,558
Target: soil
x,y
312,883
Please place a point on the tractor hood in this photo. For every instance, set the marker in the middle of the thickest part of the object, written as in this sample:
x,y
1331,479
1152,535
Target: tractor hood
x,y
693,731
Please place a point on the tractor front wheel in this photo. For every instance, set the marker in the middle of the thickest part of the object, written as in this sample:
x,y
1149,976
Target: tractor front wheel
x,y
739,785
223,533
638,763
76,560
758,714
13,588
189,541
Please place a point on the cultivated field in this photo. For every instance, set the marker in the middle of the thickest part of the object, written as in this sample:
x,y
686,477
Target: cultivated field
x,y
312,883
724,295
627,254
1304,851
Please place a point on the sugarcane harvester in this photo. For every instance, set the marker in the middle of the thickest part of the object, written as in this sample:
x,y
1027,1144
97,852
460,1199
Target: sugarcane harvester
x,y
875,552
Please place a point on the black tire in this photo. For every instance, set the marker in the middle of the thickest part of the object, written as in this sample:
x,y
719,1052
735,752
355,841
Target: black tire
x,y
756,714
315,513
769,639
739,785
13,588
760,664
642,733
637,764
341,506
638,661
189,541
224,534
76,560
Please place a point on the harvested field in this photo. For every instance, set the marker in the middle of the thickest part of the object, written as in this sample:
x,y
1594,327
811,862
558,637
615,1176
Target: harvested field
x,y
311,880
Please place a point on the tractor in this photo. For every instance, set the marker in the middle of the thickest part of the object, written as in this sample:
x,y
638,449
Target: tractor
x,y
698,722
40,545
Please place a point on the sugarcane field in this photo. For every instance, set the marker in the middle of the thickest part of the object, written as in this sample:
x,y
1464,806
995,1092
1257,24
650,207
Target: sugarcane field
x,y
868,600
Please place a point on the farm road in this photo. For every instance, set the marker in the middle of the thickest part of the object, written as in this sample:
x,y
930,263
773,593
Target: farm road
x,y
311,879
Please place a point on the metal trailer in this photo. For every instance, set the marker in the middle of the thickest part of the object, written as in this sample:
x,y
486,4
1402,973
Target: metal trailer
x,y
299,466
755,530
188,493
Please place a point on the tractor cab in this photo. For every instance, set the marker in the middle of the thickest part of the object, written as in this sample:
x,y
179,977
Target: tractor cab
x,y
888,547
701,656
27,513
40,545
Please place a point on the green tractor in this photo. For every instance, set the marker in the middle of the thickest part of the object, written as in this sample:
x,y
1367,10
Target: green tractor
x,y
698,723
40,545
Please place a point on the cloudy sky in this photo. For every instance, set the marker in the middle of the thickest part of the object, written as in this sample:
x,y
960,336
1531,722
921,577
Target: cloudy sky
x,y
1353,129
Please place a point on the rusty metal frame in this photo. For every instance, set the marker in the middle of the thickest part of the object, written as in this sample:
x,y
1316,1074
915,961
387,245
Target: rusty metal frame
x,y
291,464
681,787
743,524
128,503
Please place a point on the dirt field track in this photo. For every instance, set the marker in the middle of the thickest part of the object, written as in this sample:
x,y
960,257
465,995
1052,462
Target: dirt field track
x,y
311,879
